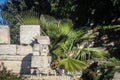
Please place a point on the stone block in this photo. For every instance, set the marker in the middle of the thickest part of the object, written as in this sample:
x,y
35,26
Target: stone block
x,y
117,75
17,66
39,61
49,59
28,33
44,50
36,53
8,49
43,40
15,58
36,47
4,35
24,50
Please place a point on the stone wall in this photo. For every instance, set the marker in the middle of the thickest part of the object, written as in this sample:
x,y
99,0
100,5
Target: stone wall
x,y
28,33
4,35
32,52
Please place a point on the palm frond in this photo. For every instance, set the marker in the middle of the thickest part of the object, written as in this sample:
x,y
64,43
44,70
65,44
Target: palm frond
x,y
29,18
58,52
89,53
96,52
70,64
88,35
109,27
64,28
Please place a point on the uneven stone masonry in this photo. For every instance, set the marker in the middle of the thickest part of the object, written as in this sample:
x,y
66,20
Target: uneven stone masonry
x,y
31,53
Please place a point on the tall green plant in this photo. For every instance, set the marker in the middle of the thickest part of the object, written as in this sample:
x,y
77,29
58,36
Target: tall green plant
x,y
64,41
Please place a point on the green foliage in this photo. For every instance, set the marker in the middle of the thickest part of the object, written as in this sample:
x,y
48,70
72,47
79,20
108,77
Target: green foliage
x,y
71,65
108,27
64,41
10,14
62,8
104,71
8,75
29,18
111,62
15,17
90,53
77,10
115,2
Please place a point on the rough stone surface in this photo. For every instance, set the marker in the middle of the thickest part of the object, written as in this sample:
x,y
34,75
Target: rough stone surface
x,y
36,53
4,35
116,76
36,47
41,63
49,59
30,54
28,33
8,49
44,50
17,66
24,50
15,58
43,40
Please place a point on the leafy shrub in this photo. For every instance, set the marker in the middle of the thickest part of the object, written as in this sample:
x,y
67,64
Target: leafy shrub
x,y
8,75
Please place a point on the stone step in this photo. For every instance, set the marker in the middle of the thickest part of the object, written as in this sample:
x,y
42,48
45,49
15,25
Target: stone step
x,y
15,58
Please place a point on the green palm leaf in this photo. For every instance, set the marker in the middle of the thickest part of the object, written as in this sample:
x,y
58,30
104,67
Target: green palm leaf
x,y
96,52
88,35
87,53
70,64
29,18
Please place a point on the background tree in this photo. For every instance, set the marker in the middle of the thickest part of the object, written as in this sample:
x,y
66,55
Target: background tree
x,y
82,12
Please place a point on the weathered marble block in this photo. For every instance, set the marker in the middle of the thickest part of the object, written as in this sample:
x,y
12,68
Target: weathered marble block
x,y
15,58
36,53
8,49
36,47
49,59
44,50
28,33
24,50
40,61
4,35
17,66
43,40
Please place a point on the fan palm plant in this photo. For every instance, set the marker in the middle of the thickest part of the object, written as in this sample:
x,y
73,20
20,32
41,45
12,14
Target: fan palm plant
x,y
64,41
28,18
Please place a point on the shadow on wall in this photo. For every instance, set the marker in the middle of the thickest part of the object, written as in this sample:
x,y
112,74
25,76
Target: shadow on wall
x,y
35,41
26,64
